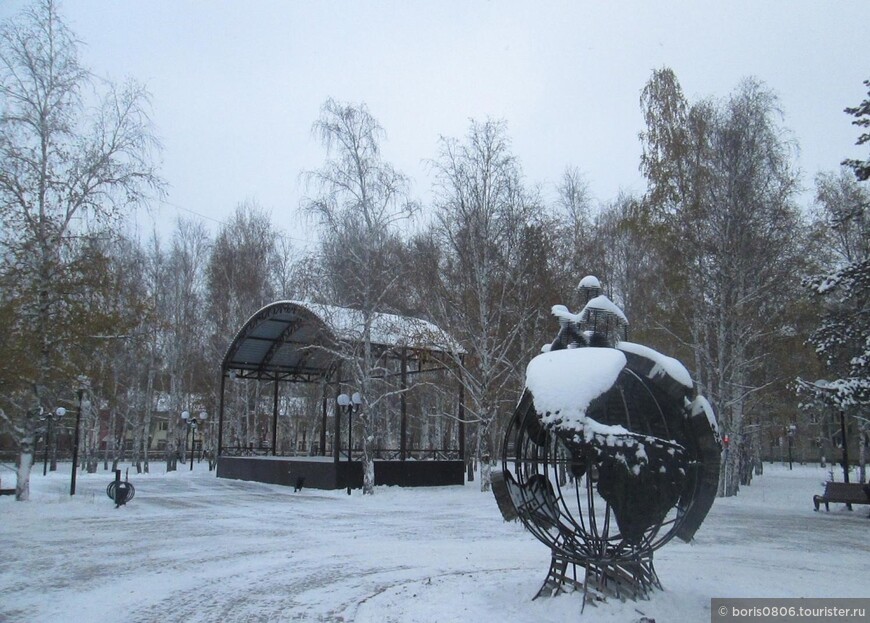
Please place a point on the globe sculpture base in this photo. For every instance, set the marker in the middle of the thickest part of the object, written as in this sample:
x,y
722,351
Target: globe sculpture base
x,y
621,580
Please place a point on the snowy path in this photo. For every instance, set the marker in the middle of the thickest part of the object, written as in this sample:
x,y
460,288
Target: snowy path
x,y
193,548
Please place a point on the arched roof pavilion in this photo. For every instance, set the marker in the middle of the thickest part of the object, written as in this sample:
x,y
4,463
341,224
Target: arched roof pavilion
x,y
296,341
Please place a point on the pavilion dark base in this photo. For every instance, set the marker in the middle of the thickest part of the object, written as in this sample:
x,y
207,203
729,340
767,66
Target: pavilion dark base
x,y
324,473
633,579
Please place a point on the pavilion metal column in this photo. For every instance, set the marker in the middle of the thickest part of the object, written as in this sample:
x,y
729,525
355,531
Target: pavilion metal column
x,y
221,416
275,418
404,407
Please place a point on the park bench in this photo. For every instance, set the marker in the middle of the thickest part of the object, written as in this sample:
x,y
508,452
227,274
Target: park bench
x,y
6,491
843,493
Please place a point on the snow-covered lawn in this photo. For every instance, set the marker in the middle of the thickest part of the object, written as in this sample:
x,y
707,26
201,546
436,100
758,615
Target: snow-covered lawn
x,y
192,548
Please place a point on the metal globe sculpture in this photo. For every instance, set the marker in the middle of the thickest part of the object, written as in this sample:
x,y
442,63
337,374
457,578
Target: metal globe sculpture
x,y
610,453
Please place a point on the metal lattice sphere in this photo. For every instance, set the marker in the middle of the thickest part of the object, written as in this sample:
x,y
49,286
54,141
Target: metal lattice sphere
x,y
609,454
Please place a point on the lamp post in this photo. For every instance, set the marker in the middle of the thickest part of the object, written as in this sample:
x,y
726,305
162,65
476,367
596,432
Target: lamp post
x,y
350,404
75,461
845,447
191,429
791,429
49,418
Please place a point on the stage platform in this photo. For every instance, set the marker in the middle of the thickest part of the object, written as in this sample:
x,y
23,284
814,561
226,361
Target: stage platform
x,y
325,473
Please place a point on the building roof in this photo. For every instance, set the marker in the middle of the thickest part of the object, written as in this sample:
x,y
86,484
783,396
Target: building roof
x,y
303,341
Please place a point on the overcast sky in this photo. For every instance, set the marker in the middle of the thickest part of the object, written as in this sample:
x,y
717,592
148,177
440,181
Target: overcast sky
x,y
236,85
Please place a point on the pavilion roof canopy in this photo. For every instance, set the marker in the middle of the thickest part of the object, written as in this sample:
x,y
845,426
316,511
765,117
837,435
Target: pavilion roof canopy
x,y
296,340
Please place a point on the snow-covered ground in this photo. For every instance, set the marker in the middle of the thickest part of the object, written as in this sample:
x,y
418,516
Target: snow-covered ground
x,y
193,548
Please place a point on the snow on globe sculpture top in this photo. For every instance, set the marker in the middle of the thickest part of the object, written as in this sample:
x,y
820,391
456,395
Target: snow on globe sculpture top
x,y
610,453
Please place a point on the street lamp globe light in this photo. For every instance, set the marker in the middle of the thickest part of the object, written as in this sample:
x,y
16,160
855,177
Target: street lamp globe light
x,y
203,416
351,404
49,421
191,429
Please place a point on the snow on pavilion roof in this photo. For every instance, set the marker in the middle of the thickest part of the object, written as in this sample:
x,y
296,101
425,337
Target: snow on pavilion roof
x,y
297,339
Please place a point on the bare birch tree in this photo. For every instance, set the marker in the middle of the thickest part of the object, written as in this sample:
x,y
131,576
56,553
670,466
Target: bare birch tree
x,y
488,300
63,163
359,201
184,347
240,281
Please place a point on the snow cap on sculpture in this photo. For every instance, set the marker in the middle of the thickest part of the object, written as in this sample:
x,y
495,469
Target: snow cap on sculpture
x,y
589,287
